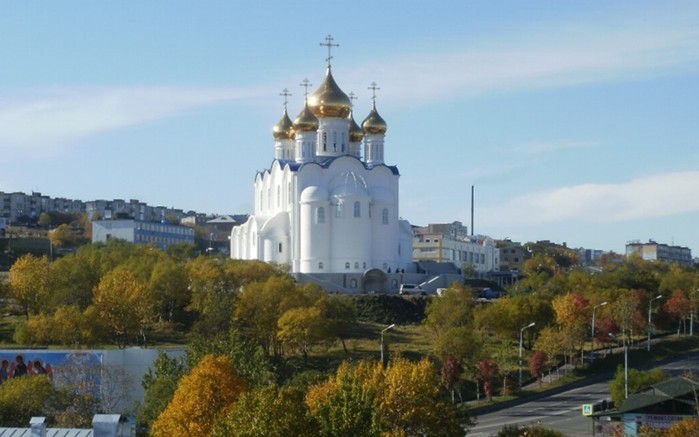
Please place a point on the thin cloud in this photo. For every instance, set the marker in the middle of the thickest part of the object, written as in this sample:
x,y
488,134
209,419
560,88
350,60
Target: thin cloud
x,y
540,148
562,56
47,120
653,196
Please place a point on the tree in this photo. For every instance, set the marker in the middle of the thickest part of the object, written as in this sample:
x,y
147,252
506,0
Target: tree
x,y
205,394
451,375
537,364
168,284
452,309
24,397
488,371
638,380
268,412
125,304
572,314
301,328
528,431
550,341
28,284
679,306
159,384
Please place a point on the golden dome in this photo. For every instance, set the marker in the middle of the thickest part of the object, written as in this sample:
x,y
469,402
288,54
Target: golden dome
x,y
306,121
283,130
374,124
329,100
356,134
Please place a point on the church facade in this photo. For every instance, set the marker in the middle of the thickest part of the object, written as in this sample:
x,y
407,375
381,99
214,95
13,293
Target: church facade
x,y
329,204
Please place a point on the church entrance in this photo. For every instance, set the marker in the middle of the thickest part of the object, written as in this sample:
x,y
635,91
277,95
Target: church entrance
x,y
374,280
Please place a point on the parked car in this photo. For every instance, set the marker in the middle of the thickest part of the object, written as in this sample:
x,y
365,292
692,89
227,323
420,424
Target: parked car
x,y
410,288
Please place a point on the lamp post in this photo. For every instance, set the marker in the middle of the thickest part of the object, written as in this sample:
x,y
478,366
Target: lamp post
x,y
592,329
391,326
626,365
650,307
521,332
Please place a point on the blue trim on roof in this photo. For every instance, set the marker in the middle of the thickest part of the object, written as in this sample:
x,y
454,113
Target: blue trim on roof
x,y
296,166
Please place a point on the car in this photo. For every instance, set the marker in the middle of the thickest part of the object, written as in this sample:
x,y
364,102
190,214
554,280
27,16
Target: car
x,y
409,288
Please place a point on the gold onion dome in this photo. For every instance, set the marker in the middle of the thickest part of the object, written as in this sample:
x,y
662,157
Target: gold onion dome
x,y
356,134
373,123
306,121
329,100
283,130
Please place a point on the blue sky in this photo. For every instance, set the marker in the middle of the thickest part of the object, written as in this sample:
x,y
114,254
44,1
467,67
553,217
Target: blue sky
x,y
577,122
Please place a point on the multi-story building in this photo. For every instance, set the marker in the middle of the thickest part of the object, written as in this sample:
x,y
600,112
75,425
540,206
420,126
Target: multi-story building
x,y
162,235
512,255
653,251
450,242
121,209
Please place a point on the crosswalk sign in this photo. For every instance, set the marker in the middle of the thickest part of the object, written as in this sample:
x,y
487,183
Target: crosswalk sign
x,y
587,410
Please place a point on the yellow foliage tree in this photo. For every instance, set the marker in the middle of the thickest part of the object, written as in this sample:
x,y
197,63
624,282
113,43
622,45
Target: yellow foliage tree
x,y
29,277
204,395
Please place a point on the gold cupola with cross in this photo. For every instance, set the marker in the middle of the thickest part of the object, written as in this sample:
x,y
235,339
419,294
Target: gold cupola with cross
x,y
329,100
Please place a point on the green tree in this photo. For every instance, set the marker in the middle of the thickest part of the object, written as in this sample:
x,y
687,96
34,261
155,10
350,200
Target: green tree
x,y
29,284
638,380
301,328
159,384
168,284
268,412
23,398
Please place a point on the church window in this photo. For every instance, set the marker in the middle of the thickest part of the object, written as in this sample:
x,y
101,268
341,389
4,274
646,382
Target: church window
x,y
353,283
334,141
320,215
288,194
320,265
338,210
269,197
357,209
279,195
394,284
384,216
325,141
399,249
364,265
356,265
385,266
343,141
347,266
280,247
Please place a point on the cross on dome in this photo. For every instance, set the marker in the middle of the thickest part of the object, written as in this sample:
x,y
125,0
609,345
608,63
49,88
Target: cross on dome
x,y
352,96
305,84
329,44
373,89
286,94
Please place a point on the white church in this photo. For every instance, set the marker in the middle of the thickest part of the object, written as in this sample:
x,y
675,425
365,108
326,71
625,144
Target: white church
x,y
328,207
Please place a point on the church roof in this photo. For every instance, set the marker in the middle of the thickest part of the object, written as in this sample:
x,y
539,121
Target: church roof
x,y
296,166
329,100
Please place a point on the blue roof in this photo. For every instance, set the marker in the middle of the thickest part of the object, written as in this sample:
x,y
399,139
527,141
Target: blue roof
x,y
296,166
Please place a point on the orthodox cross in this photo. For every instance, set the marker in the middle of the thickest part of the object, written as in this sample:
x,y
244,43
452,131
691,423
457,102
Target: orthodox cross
x,y
352,97
329,44
305,84
373,89
285,93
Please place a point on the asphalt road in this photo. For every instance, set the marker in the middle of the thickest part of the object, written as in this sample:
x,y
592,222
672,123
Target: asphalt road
x,y
563,411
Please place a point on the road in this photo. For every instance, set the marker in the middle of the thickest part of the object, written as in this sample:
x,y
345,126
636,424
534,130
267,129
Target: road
x,y
563,411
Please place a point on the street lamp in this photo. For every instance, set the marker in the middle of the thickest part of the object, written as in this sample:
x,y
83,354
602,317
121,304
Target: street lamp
x,y
626,365
650,306
592,329
391,326
521,332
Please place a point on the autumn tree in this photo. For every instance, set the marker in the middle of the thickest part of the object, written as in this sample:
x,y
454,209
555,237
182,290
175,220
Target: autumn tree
x,y
638,380
28,284
679,306
572,314
268,412
537,364
550,341
302,327
202,397
487,372
125,304
168,284
24,398
451,375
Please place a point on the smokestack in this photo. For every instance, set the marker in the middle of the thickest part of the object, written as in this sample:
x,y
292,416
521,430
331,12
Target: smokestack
x,y
472,201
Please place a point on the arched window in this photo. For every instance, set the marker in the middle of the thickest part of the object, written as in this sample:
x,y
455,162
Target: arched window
x,y
325,141
320,265
353,283
384,216
279,195
338,210
288,194
357,209
320,215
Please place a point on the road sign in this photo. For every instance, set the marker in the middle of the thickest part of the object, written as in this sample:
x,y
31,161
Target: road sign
x,y
587,409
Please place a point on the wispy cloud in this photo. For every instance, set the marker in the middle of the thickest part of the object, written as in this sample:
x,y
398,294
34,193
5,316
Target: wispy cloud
x,y
560,55
48,119
539,148
652,196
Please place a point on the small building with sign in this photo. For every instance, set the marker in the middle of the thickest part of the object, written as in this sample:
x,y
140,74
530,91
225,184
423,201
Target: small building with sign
x,y
658,406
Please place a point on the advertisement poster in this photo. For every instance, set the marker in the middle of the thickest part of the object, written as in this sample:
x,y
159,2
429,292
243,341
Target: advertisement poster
x,y
63,367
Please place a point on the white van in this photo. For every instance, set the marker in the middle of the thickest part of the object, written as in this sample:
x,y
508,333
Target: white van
x,y
410,288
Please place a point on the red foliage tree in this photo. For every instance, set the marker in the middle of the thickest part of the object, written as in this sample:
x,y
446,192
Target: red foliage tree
x,y
679,307
537,364
487,370
451,372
